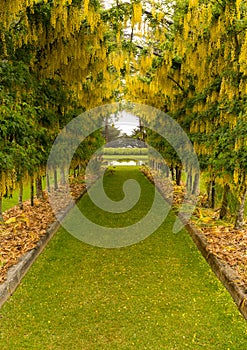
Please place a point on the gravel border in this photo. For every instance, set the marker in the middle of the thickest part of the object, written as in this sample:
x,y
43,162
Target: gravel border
x,y
18,271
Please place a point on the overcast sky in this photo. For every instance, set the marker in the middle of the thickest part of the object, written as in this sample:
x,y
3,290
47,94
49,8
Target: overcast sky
x,y
126,122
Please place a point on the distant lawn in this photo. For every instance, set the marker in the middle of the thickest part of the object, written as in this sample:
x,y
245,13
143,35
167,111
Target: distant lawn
x,y
122,156
157,294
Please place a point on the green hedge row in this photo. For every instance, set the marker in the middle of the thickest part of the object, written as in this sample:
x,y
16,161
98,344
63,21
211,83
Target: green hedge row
x,y
125,151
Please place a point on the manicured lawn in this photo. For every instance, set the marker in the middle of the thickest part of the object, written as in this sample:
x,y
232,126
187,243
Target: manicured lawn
x,y
157,294
124,156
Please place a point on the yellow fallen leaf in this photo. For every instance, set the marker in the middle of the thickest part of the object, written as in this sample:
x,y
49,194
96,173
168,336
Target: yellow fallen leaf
x,y
10,220
206,219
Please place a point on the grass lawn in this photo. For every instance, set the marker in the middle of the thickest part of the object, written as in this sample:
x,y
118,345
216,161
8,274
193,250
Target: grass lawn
x,y
157,294
124,156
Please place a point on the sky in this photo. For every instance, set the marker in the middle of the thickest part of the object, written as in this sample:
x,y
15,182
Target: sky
x,y
126,122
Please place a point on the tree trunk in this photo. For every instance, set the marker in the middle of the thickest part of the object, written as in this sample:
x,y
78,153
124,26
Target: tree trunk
x,y
224,204
211,194
195,184
62,181
48,186
240,214
166,170
1,207
76,172
55,180
106,130
132,34
20,198
39,191
189,182
32,192
172,173
178,175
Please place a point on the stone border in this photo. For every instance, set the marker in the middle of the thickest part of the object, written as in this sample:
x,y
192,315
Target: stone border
x,y
225,273
18,271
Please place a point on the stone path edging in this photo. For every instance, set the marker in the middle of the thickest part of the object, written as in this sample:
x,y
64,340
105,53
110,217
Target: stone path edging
x,y
18,271
222,270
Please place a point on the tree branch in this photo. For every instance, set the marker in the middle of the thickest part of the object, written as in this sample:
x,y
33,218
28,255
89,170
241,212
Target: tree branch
x,y
155,53
171,78
145,12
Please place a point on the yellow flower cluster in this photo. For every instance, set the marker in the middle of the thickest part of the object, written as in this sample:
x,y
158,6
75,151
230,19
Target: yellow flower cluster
x,y
137,13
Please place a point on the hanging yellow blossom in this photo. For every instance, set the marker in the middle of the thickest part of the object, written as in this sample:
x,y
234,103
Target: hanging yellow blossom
x,y
137,13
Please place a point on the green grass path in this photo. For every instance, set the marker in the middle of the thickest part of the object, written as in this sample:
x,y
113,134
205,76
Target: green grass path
x,y
157,294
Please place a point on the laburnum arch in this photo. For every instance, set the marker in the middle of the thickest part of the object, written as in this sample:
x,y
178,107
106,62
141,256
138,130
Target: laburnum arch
x,y
187,58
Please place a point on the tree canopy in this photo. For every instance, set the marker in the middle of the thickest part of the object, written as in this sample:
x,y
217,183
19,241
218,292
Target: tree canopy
x,y
187,58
